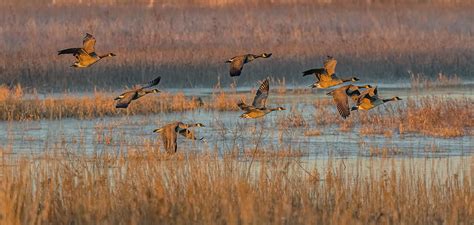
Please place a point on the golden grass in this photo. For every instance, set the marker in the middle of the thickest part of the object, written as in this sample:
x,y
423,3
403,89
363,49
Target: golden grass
x,y
432,116
16,106
150,188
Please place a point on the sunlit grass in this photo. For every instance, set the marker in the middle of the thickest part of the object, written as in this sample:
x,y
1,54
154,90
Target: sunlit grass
x,y
146,187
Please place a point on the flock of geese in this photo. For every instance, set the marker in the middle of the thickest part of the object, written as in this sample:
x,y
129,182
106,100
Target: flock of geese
x,y
364,97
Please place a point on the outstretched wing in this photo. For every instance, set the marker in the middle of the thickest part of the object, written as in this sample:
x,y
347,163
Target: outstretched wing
x,y
169,138
152,83
125,99
317,73
373,92
330,65
366,97
236,66
89,43
69,51
83,56
342,104
370,94
241,104
260,99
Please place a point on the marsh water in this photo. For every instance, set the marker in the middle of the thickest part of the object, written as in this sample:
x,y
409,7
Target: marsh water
x,y
225,131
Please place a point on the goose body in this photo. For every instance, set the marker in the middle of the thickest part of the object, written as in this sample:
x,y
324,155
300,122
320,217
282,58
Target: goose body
x,y
369,99
341,97
169,134
326,76
237,62
85,56
124,99
258,108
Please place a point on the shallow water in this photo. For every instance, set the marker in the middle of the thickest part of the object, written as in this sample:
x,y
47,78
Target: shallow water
x,y
225,132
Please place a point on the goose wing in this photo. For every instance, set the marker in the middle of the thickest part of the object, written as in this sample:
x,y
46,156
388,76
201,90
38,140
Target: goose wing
x,y
330,65
244,106
169,138
369,93
152,83
236,66
317,73
125,99
89,43
373,91
73,51
367,97
260,99
83,56
342,104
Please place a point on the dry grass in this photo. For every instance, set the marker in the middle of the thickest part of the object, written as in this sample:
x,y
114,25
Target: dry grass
x,y
375,40
432,116
442,80
16,106
313,133
148,187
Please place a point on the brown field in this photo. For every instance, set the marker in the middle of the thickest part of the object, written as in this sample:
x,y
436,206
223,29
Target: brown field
x,y
188,42
150,188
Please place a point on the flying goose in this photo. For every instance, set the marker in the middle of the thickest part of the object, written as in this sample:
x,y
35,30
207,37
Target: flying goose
x,y
341,94
127,97
86,55
237,62
169,134
369,99
258,107
326,76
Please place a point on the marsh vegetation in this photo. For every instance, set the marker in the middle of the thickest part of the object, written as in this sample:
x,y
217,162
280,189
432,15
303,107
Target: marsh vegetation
x,y
68,156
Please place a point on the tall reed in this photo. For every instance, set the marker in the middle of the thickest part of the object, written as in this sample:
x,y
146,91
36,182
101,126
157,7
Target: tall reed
x,y
148,188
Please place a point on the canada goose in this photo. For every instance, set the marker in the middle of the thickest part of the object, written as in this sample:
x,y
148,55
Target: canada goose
x,y
369,99
125,98
169,134
86,55
341,94
258,107
326,76
237,62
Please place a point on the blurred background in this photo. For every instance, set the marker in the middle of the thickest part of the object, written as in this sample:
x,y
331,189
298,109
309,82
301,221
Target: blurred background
x,y
188,41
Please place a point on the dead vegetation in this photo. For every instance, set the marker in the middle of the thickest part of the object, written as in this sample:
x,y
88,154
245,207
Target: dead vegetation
x,y
17,106
376,40
146,187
